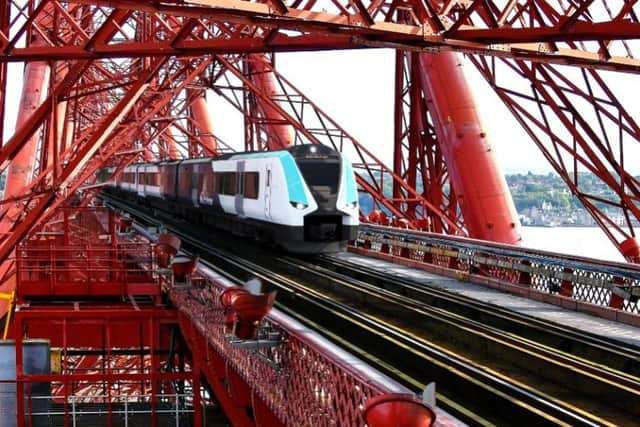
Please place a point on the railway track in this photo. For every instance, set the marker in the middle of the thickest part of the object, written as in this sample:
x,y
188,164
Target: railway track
x,y
435,316
466,387
611,354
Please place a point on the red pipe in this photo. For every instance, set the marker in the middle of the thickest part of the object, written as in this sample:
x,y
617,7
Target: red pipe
x,y
483,195
203,122
280,135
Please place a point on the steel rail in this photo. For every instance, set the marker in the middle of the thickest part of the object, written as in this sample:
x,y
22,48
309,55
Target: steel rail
x,y
608,353
482,391
583,376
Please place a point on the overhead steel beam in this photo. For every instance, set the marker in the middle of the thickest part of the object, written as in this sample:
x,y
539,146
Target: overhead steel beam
x,y
483,27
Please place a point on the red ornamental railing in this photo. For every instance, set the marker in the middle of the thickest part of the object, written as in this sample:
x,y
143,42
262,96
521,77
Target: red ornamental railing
x,y
298,376
606,284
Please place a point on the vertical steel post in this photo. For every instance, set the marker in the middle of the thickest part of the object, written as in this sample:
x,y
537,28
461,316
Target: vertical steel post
x,y
399,126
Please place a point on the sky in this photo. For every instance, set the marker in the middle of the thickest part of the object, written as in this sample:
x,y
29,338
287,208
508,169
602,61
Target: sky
x,y
356,88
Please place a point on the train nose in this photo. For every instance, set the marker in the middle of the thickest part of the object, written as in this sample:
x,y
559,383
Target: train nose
x,y
322,228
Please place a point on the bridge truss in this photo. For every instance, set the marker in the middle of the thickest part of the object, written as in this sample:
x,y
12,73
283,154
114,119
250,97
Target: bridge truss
x,y
112,82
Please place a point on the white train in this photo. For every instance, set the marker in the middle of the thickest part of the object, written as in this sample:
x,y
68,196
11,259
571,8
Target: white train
x,y
303,198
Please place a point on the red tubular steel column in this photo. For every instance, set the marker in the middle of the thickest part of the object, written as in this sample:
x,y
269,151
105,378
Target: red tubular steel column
x,y
20,171
149,157
36,79
485,200
57,128
203,122
172,144
280,135
4,27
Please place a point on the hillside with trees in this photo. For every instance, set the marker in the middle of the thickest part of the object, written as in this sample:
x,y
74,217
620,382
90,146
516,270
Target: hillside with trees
x,y
544,199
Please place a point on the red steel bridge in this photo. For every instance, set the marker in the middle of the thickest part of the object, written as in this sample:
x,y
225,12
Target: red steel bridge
x,y
111,82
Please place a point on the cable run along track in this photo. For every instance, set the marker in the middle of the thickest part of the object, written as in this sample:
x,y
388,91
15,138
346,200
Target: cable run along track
x,y
465,388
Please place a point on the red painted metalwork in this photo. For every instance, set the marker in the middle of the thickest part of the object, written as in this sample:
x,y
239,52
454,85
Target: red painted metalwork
x,y
274,383
245,311
477,27
126,367
312,125
204,124
20,172
580,126
398,410
113,353
128,77
59,262
479,184
278,132
606,289
72,31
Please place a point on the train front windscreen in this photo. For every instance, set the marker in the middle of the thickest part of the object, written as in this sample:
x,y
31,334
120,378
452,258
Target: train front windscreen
x,y
323,176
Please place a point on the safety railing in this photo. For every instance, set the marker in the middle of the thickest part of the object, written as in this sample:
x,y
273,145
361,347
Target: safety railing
x,y
49,268
288,368
608,284
170,410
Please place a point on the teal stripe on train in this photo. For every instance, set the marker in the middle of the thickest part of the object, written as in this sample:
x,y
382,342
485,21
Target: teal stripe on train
x,y
295,183
349,181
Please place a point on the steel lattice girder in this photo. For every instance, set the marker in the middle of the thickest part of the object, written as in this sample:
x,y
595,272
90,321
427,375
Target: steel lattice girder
x,y
303,115
99,135
534,30
118,361
580,126
92,87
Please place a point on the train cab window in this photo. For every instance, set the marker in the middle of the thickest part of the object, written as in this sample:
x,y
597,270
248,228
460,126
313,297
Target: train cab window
x,y
321,174
251,180
240,184
218,183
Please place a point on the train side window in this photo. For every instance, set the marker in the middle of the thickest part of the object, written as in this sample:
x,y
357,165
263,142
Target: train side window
x,y
152,178
219,183
226,183
251,181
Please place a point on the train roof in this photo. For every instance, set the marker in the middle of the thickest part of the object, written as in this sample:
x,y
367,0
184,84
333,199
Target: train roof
x,y
305,151
296,151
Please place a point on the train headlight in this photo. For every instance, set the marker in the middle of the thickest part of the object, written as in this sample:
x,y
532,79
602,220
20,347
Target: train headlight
x,y
298,205
352,205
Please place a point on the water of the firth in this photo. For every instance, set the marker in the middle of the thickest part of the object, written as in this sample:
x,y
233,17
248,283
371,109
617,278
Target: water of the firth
x,y
584,241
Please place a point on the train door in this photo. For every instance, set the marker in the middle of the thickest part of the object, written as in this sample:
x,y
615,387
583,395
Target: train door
x,y
140,179
267,191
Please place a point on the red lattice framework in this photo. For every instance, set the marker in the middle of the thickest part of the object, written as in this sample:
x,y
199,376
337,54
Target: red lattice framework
x,y
607,289
127,81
